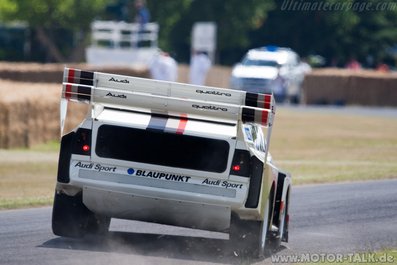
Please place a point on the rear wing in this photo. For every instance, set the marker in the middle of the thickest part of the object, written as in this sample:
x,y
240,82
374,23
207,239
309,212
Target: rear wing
x,y
161,97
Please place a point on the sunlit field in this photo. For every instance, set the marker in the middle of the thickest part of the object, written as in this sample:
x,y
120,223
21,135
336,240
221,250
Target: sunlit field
x,y
320,147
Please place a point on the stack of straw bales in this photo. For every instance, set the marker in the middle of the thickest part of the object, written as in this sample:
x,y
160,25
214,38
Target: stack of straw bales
x,y
29,102
342,86
29,113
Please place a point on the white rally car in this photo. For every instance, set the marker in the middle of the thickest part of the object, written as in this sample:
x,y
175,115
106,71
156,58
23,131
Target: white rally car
x,y
170,153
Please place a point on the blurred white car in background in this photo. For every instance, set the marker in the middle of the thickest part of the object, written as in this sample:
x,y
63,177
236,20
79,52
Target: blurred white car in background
x,y
270,69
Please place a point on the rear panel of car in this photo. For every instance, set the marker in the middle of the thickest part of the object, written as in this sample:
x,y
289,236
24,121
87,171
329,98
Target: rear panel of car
x,y
141,158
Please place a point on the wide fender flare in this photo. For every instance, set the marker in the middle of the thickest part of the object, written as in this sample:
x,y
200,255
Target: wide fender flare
x,y
286,193
286,187
269,181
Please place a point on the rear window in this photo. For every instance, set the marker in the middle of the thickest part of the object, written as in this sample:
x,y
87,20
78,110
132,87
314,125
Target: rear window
x,y
160,148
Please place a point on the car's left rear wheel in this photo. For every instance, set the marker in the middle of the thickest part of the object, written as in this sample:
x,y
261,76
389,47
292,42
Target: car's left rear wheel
x,y
71,218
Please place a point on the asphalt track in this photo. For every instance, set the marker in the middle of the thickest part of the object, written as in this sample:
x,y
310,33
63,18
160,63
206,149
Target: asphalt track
x,y
336,218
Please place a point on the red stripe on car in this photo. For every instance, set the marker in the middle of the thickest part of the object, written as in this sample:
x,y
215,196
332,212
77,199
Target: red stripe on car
x,y
182,125
264,117
68,91
71,76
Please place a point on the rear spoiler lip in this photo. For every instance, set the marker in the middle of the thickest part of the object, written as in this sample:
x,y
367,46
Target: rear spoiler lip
x,y
121,82
167,98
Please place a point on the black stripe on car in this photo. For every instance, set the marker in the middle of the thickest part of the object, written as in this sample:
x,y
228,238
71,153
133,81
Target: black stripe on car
x,y
251,99
87,78
83,93
248,115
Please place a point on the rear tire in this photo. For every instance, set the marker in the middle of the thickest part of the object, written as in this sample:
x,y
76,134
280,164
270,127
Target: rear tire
x,y
98,225
71,218
250,238
285,221
244,236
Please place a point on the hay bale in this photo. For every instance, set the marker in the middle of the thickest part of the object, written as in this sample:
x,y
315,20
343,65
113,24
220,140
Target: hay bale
x,y
3,124
342,86
218,76
373,91
324,89
29,101
52,73
29,113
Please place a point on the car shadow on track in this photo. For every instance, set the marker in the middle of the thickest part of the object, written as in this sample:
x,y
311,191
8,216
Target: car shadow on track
x,y
167,246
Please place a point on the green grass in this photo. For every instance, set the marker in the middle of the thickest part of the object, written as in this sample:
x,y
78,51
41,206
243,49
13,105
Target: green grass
x,y
27,177
313,147
24,202
51,146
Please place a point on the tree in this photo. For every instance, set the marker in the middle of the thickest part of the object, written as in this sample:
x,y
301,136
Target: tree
x,y
336,34
234,19
47,16
168,14
376,32
241,25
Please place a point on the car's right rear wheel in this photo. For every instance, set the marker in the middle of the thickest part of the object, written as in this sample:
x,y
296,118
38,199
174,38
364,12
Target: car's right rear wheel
x,y
244,236
264,231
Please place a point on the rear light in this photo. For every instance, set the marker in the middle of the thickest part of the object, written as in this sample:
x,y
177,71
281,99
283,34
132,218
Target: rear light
x,y
236,168
241,163
82,142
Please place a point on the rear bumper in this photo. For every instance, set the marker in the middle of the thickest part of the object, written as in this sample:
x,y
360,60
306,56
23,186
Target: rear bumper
x,y
156,196
160,184
180,213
